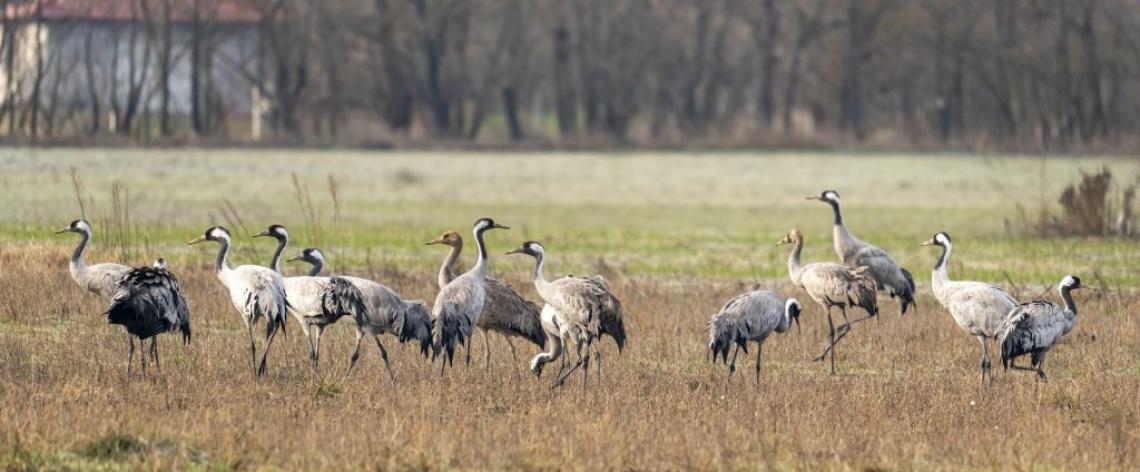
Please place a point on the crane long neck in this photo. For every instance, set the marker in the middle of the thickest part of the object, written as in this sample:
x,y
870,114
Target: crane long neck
x,y
540,283
785,322
838,214
318,265
223,253
940,276
77,256
795,269
446,273
1068,298
481,266
275,263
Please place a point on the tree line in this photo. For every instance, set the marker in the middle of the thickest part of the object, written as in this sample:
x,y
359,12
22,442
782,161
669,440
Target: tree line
x,y
1018,74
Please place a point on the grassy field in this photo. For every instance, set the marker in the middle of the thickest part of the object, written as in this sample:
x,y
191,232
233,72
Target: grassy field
x,y
678,234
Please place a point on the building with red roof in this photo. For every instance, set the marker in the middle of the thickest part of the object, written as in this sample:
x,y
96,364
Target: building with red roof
x,y
106,55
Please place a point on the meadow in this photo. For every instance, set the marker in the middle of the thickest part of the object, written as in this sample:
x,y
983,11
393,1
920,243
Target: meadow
x,y
676,233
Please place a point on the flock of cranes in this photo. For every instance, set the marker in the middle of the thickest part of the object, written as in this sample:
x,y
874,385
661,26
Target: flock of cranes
x,y
148,301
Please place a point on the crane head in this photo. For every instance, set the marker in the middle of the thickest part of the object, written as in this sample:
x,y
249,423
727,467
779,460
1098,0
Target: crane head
x,y
484,224
450,238
311,255
214,233
939,239
277,232
77,226
530,248
792,236
792,309
829,196
1072,282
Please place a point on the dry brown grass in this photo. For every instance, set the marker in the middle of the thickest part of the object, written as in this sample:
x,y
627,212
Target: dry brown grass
x,y
908,395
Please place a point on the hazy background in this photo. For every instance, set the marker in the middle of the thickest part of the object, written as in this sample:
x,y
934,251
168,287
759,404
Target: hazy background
x,y
1056,75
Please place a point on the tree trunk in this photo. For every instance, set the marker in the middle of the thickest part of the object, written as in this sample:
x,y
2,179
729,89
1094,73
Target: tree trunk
x,y
851,94
511,109
767,104
164,66
196,71
563,88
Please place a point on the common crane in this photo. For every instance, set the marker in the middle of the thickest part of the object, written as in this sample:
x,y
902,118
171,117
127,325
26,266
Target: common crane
x,y
897,281
577,306
504,310
831,286
750,317
1036,327
315,302
459,303
101,279
385,312
149,302
257,293
978,308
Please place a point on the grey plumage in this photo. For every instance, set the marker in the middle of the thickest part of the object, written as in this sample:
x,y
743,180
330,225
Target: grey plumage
x,y
831,286
459,304
504,310
897,281
315,302
384,312
749,317
978,308
576,310
257,293
612,318
103,279
149,302
1036,327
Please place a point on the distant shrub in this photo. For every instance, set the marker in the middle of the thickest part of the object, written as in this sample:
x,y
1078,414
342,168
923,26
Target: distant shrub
x,y
1088,208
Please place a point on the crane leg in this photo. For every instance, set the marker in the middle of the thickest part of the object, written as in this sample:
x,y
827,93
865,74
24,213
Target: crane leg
x,y
130,354
486,349
355,352
846,322
514,354
309,334
987,366
467,351
252,347
154,352
316,346
842,334
1039,359
265,353
732,365
142,357
562,377
598,352
759,347
384,356
586,363
831,330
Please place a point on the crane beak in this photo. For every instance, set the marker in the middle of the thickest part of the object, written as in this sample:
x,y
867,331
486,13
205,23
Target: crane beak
x,y
798,329
63,230
293,259
196,240
928,242
435,241
263,233
499,226
813,198
517,250
783,242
